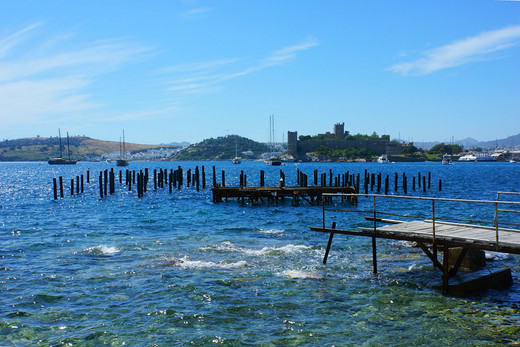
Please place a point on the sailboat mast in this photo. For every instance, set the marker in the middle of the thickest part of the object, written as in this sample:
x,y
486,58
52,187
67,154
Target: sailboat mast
x,y
61,151
68,144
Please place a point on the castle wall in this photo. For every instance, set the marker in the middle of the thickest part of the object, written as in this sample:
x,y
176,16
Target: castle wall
x,y
376,146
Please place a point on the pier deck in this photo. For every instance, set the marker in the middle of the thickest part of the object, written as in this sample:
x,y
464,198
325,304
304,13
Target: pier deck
x,y
433,234
446,234
312,195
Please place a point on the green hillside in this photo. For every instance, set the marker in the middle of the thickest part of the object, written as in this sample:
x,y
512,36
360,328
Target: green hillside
x,y
221,148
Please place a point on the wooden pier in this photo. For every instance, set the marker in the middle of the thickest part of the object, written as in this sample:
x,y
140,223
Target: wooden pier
x,y
312,195
433,235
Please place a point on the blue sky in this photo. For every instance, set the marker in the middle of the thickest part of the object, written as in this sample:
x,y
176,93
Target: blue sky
x,y
171,71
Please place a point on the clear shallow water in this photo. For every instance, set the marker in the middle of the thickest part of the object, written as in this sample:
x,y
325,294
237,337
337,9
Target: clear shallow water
x,y
172,269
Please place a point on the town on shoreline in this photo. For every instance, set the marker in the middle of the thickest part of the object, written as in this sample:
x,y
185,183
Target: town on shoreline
x,y
336,146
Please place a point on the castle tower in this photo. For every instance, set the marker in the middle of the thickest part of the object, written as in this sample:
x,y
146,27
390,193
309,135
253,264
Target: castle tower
x,y
339,130
292,143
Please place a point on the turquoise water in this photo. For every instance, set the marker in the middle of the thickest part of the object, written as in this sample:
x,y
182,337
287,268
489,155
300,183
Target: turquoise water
x,y
174,269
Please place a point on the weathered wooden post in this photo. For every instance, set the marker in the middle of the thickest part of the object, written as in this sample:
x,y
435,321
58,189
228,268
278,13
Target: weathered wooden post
x,y
405,184
88,175
82,190
197,177
419,180
203,178
440,185
315,177
386,184
379,182
105,182
395,181
214,176
372,181
61,187
262,178
429,179
424,184
357,184
155,179
55,188
223,178
77,185
101,185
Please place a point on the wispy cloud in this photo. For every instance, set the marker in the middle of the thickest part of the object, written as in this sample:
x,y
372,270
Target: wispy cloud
x,y
40,81
208,76
461,52
196,13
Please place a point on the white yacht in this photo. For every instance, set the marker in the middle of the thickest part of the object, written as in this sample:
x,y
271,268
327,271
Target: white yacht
x,y
383,159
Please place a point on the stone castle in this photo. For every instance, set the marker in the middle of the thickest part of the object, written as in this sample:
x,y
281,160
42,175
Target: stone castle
x,y
298,148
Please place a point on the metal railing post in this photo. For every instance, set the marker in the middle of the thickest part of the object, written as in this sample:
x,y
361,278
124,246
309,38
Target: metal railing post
x,y
496,222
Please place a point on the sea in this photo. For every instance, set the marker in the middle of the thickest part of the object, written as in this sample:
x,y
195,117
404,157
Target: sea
x,y
176,268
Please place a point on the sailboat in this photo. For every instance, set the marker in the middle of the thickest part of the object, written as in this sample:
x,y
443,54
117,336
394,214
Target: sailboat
x,y
122,161
236,159
272,160
60,160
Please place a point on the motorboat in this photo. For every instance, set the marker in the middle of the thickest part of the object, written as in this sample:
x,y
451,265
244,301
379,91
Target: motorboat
x,y
446,159
383,159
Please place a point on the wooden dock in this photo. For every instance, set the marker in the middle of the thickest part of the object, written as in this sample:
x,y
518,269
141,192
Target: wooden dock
x,y
432,234
312,195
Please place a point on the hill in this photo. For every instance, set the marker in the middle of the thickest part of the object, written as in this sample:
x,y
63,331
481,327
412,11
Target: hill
x,y
222,148
81,148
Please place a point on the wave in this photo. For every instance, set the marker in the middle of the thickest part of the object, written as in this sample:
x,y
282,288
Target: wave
x,y
270,231
188,263
299,274
101,251
230,247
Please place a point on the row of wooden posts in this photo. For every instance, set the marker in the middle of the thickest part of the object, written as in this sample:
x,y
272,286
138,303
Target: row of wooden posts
x,y
197,178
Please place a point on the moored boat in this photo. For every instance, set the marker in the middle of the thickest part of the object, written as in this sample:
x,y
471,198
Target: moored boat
x,y
60,160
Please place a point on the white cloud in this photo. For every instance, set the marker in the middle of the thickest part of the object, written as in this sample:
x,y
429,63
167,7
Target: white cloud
x,y
195,13
461,52
206,76
41,81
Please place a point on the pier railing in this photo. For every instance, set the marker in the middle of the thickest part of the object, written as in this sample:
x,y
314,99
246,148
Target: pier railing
x,y
377,214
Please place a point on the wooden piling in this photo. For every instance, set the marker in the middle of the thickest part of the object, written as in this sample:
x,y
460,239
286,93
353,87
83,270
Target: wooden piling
x,y
72,187
55,188
61,187
203,178
105,182
101,185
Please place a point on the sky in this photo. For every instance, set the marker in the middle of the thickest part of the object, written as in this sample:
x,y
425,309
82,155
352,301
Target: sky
x,y
188,70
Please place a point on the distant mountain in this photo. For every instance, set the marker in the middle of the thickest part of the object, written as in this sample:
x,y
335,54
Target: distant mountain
x,y
179,144
81,148
511,141
469,142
